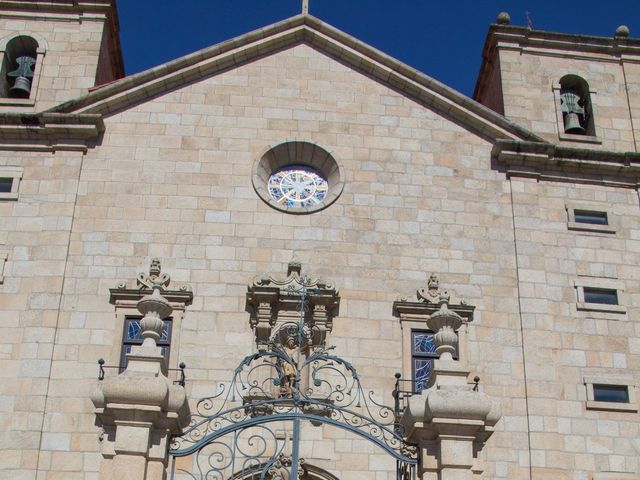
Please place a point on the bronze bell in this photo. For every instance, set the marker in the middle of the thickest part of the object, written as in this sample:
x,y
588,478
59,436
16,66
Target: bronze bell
x,y
572,124
22,84
573,110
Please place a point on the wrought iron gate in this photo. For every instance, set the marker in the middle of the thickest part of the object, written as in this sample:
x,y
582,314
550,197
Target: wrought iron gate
x,y
251,428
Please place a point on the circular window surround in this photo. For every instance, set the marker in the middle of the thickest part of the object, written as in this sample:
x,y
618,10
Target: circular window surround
x,y
290,153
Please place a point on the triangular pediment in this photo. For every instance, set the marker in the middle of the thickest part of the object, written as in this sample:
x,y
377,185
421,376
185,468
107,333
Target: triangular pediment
x,y
302,29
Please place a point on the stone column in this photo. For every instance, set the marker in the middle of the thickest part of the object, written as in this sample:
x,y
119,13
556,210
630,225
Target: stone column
x,y
450,420
141,408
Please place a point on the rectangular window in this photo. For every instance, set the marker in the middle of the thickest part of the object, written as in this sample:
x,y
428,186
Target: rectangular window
x,y
132,335
9,182
603,296
423,354
611,393
6,184
591,217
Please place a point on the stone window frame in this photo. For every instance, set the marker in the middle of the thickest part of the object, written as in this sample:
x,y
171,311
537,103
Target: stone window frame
x,y
291,152
571,208
614,379
14,173
570,137
600,283
4,255
37,69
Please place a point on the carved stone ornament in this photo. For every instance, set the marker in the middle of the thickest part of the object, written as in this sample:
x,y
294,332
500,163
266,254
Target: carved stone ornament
x,y
127,295
271,301
428,301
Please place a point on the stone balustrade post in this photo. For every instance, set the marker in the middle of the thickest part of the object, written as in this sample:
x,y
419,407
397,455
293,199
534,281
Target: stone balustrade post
x,y
450,420
141,408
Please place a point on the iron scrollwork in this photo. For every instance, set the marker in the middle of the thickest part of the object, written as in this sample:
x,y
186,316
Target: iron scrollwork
x,y
234,433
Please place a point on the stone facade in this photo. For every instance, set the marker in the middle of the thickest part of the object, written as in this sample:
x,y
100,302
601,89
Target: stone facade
x,y
160,164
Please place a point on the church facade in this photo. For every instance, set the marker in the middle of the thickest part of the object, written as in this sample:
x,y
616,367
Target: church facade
x,y
295,199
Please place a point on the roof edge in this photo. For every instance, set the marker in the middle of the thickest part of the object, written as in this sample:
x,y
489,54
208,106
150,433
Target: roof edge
x,y
320,35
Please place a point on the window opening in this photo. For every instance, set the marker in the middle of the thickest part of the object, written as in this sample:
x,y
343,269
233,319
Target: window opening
x,y
5,185
611,393
132,335
576,106
591,217
18,67
605,296
423,354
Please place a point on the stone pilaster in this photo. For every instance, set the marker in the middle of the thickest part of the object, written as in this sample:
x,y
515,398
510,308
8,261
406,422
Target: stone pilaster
x,y
141,408
451,420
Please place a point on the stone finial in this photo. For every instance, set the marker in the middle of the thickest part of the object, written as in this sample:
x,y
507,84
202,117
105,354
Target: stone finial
x,y
503,18
155,278
154,309
622,31
445,323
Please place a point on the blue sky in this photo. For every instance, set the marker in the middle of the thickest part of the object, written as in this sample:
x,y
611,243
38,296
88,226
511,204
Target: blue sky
x,y
442,39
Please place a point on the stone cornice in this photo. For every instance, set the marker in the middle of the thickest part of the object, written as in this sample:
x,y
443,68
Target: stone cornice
x,y
605,49
541,159
297,30
49,131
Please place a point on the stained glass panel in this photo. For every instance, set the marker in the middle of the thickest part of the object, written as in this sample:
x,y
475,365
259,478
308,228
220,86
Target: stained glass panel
x,y
423,343
133,330
422,370
297,186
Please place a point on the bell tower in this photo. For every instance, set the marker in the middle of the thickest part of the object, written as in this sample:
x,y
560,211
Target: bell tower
x,y
54,50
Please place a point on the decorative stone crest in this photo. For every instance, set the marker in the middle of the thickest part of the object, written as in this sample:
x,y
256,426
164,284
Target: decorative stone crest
x,y
428,301
128,295
271,302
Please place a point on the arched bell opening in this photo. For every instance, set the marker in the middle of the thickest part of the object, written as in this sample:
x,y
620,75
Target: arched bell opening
x,y
577,110
18,67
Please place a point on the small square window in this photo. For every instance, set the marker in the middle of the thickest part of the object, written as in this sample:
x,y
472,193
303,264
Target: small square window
x,y
9,182
132,335
591,217
5,184
603,296
611,393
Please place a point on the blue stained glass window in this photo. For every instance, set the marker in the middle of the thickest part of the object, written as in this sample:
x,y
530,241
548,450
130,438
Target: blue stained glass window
x,y
423,353
422,368
133,330
133,336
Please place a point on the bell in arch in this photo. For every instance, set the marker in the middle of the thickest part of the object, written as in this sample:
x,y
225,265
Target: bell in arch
x,y
573,112
23,75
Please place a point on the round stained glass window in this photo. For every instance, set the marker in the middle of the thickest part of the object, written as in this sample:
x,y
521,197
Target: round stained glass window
x,y
297,186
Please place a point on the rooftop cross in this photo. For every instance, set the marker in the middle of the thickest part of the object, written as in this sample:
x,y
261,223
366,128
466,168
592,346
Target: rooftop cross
x,y
305,7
